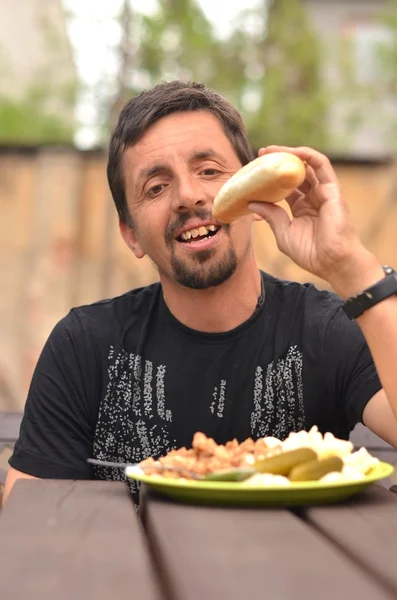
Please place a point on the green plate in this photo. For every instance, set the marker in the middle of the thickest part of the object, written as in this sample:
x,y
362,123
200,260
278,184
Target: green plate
x,y
240,494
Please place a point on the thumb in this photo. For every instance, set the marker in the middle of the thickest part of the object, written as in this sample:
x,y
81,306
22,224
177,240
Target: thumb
x,y
276,216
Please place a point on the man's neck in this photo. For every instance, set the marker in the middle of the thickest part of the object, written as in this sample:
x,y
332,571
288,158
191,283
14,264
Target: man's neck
x,y
217,309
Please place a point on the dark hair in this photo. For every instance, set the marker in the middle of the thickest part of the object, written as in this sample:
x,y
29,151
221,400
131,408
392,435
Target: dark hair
x,y
151,105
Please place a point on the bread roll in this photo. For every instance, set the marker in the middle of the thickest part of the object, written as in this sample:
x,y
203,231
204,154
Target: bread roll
x,y
269,178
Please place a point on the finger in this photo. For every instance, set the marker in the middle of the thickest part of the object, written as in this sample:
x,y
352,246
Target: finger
x,y
319,163
277,218
274,148
294,197
311,177
310,180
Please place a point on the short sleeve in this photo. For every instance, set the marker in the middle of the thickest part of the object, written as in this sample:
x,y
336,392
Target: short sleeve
x,y
349,365
58,425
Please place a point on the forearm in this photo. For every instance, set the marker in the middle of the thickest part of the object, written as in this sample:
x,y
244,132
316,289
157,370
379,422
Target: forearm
x,y
379,326
378,323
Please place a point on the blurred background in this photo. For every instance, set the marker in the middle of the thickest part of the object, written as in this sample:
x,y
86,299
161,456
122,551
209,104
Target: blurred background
x,y
302,72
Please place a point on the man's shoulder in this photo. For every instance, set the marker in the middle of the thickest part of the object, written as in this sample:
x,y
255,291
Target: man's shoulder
x,y
316,300
107,316
125,304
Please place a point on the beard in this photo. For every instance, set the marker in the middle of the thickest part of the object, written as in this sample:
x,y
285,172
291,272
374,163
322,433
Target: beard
x,y
204,274
207,269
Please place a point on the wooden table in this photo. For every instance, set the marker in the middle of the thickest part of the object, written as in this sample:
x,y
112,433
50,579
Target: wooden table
x,y
10,423
64,540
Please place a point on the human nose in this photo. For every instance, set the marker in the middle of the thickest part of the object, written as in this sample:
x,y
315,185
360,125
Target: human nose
x,y
188,193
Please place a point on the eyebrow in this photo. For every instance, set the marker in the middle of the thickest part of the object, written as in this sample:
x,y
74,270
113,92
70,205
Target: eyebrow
x,y
161,168
154,170
203,155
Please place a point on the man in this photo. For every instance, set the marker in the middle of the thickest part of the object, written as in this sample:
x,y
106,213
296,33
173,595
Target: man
x,y
216,346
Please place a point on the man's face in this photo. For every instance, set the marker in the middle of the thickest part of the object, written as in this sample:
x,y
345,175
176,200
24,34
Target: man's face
x,y
172,176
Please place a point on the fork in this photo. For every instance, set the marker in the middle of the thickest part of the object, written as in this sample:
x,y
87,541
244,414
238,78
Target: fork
x,y
160,467
234,474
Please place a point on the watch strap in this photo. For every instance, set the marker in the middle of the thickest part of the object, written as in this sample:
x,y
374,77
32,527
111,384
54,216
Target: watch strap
x,y
355,306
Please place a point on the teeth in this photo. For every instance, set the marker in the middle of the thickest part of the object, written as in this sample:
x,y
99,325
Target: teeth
x,y
193,233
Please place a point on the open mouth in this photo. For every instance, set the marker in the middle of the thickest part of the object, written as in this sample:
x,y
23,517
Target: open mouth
x,y
200,234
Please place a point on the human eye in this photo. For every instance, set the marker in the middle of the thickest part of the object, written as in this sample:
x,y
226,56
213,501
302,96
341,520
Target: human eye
x,y
155,190
210,172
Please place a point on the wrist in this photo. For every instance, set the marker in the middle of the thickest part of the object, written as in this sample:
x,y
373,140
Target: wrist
x,y
356,274
357,305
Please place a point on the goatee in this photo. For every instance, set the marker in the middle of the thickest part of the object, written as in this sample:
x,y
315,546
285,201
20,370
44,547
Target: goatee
x,y
207,270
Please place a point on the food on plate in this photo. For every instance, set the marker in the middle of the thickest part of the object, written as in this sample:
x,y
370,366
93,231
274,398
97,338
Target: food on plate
x,y
284,462
302,456
355,466
327,445
268,178
315,469
233,474
206,456
265,479
361,461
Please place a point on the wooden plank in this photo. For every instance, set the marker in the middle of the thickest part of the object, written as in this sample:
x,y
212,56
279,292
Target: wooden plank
x,y
213,553
366,529
362,436
73,539
10,423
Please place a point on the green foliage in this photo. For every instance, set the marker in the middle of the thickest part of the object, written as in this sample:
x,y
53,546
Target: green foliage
x,y
40,114
293,97
27,122
178,41
388,66
361,90
387,53
269,66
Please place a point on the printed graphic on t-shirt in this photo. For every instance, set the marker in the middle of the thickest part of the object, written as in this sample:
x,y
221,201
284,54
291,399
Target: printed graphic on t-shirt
x,y
134,419
278,397
218,404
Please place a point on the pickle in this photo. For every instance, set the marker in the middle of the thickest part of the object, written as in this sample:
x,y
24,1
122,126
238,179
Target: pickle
x,y
236,474
283,463
315,469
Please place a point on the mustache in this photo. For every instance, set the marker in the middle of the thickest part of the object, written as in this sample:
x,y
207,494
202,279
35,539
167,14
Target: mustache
x,y
199,213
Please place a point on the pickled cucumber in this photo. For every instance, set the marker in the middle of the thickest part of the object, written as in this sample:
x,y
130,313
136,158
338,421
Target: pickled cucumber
x,y
236,474
315,469
282,464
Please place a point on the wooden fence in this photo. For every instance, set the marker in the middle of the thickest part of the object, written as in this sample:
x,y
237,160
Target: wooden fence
x,y
60,245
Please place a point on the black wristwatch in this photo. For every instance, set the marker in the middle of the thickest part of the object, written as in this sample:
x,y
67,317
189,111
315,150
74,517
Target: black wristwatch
x,y
355,306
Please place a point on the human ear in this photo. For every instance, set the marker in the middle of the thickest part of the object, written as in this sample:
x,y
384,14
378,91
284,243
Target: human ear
x,y
129,236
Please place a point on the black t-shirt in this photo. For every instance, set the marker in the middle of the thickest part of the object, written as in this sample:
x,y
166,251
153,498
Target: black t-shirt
x,y
122,379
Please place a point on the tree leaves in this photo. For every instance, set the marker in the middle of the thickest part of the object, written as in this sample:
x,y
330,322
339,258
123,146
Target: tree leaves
x,y
269,66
